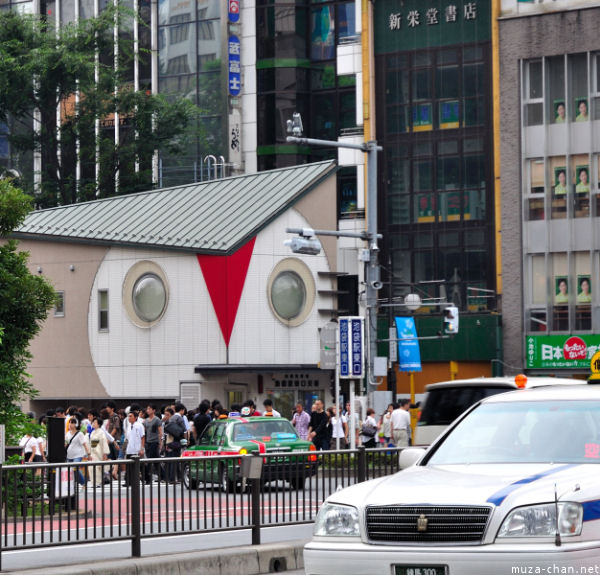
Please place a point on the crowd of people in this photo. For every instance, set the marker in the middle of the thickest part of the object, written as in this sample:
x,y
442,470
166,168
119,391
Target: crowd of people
x,y
110,434
327,429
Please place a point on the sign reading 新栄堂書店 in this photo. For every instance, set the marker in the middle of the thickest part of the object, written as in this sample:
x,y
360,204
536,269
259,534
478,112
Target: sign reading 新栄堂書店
x,y
560,351
416,24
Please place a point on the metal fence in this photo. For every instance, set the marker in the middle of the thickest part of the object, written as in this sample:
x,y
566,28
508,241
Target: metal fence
x,y
47,505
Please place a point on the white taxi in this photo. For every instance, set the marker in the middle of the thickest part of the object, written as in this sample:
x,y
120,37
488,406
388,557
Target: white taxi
x,y
513,486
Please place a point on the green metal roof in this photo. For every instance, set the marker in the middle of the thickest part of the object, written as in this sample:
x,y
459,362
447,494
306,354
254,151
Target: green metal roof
x,y
215,216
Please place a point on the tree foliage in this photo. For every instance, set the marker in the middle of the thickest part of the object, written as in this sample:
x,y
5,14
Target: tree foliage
x,y
26,299
69,79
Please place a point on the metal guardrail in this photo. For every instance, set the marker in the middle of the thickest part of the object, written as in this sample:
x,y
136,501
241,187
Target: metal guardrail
x,y
45,505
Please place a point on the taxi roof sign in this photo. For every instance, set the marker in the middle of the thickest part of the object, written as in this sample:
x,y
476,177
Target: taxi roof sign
x,y
595,363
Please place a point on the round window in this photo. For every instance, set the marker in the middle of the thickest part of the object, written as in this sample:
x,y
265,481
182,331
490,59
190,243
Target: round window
x,y
288,294
149,297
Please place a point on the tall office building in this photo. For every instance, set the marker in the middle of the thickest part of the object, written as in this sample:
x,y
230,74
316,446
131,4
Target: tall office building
x,y
435,122
550,120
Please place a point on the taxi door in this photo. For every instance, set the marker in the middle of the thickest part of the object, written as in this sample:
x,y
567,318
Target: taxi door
x,y
219,445
207,445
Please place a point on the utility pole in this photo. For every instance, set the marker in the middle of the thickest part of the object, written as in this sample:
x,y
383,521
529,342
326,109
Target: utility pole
x,y
371,254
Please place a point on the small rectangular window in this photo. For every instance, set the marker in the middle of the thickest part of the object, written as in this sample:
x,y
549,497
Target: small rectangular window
x,y
535,81
59,304
578,84
557,109
533,93
103,310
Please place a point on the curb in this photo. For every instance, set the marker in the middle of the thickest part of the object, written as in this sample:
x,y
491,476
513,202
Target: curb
x,y
244,560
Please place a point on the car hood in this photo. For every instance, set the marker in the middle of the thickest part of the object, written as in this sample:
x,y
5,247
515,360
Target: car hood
x,y
489,485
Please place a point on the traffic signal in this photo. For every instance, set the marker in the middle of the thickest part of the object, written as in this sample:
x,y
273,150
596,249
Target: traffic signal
x,y
451,320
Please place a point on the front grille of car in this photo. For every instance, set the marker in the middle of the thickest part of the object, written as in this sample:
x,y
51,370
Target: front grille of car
x,y
426,524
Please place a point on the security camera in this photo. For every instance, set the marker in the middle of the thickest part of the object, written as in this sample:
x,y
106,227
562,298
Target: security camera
x,y
376,284
302,245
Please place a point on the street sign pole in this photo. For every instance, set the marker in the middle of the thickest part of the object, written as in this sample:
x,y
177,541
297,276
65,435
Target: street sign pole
x,y
352,418
337,389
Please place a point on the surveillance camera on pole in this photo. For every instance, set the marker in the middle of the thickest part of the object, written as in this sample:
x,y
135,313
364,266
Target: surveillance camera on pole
x,y
302,245
294,126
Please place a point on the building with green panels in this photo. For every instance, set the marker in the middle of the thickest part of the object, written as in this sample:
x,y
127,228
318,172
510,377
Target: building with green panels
x,y
436,179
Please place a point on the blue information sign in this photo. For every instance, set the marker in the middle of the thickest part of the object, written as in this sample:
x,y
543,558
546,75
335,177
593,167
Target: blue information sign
x,y
351,348
235,66
409,353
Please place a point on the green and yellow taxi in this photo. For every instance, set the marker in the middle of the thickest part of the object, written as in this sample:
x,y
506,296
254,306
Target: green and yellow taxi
x,y
275,437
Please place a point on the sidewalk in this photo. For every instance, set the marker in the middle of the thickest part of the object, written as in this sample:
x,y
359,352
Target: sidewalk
x,y
244,560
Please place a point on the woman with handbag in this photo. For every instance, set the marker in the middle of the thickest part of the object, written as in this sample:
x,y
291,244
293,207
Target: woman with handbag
x,y
32,450
368,430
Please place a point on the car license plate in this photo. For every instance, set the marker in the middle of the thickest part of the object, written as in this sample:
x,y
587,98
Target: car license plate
x,y
419,570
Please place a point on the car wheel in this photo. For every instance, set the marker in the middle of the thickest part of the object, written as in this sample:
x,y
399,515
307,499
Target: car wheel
x,y
227,485
297,482
187,478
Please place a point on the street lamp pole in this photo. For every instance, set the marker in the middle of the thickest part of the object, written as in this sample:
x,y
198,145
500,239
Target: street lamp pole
x,y
371,256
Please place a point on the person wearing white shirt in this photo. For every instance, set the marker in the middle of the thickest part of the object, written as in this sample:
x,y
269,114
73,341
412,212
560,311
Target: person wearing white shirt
x,y
135,441
339,429
268,405
401,424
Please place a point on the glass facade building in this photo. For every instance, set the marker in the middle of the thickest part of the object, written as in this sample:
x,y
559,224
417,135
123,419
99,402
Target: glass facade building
x,y
434,121
191,41
296,72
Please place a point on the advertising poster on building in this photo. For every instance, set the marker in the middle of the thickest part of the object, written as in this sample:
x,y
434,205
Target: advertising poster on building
x,y
422,118
584,290
426,208
449,118
560,351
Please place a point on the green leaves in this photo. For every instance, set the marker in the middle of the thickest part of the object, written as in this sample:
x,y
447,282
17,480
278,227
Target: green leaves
x,y
14,207
72,69
25,301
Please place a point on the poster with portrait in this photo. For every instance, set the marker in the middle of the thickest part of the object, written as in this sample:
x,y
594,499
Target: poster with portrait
x,y
561,290
582,179
560,112
581,110
560,181
584,290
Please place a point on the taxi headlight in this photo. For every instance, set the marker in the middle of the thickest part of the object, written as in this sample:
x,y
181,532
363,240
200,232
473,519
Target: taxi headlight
x,y
540,520
337,521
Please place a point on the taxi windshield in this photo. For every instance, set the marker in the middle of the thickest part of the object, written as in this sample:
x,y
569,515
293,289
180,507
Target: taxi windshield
x,y
524,432
276,430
